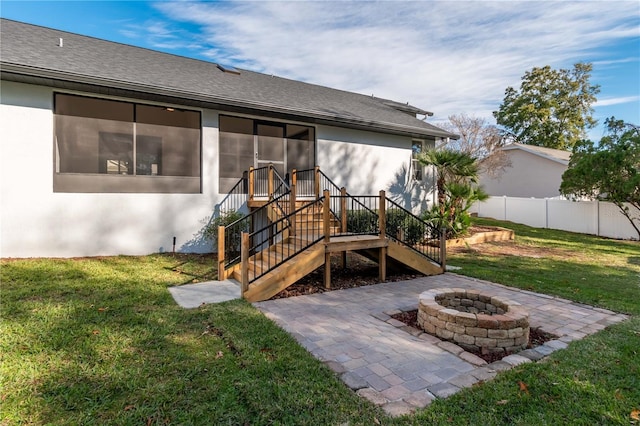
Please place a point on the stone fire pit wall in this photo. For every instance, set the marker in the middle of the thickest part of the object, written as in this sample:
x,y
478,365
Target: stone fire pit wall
x,y
474,321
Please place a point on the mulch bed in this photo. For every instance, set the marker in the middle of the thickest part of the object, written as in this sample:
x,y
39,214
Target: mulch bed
x,y
537,337
359,272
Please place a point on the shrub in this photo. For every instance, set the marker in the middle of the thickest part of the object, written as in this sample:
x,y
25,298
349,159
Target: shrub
x,y
404,227
362,221
233,235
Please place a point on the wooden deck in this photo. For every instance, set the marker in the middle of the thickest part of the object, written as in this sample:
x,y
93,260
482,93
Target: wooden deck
x,y
303,233
382,250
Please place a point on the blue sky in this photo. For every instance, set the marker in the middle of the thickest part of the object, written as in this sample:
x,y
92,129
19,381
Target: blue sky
x,y
449,57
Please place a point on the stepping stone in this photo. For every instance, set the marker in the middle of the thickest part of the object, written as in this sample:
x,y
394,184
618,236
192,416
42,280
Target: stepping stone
x,y
464,381
372,395
419,399
515,360
353,381
556,344
398,408
473,359
500,366
443,389
532,354
335,367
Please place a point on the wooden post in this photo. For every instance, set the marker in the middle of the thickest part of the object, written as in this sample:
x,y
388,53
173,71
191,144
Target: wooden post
x,y
244,265
382,220
382,265
292,207
294,177
251,183
382,216
326,212
316,181
443,249
221,271
270,181
343,221
325,227
327,270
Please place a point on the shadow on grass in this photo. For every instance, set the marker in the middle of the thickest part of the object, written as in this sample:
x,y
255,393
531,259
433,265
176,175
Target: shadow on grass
x,y
194,267
99,341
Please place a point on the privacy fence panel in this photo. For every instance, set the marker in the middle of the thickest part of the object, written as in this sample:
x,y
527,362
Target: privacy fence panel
x,y
586,217
573,216
613,224
526,210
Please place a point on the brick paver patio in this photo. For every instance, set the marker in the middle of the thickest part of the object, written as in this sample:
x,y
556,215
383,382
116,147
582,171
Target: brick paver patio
x,y
401,368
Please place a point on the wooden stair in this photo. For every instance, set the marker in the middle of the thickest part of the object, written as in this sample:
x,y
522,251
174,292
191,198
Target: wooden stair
x,y
297,246
399,255
284,275
290,271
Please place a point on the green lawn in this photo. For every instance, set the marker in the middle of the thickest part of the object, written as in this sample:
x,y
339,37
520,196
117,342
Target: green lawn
x,y
100,341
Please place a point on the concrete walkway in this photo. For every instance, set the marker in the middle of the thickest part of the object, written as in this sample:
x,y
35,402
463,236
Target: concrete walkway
x,y
399,367
194,295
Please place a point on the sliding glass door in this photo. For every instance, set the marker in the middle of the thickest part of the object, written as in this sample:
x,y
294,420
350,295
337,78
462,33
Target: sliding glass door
x,y
246,142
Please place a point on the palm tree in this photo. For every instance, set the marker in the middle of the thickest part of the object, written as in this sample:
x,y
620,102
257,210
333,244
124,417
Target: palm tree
x,y
450,166
456,175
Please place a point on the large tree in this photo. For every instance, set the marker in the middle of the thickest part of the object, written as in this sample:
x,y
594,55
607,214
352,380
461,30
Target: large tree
x,y
608,171
480,140
552,108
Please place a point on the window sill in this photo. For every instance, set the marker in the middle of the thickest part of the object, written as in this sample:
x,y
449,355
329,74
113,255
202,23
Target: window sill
x,y
100,183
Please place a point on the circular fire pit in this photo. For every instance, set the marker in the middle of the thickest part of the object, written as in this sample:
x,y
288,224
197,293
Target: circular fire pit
x,y
474,321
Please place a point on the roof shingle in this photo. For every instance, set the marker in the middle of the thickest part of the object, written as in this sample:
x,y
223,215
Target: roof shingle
x,y
35,51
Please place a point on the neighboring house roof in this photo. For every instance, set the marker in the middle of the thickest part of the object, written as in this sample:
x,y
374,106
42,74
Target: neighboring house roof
x,y
39,55
557,155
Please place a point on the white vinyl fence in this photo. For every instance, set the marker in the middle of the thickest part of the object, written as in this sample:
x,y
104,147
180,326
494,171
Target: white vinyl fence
x,y
586,217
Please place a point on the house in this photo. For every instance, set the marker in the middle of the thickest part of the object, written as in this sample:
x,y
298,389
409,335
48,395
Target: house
x,y
534,171
114,149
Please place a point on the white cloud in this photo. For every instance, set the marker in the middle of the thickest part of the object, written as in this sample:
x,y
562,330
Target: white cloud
x,y
616,101
447,57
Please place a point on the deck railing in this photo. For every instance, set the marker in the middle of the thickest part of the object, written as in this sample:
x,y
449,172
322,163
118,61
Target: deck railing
x,y
266,183
288,228
230,236
287,239
413,232
236,199
304,183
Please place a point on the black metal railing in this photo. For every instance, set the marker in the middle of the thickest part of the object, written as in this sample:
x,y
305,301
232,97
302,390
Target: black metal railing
x,y
233,231
305,181
260,181
235,200
284,230
286,239
233,234
325,183
361,215
411,231
281,185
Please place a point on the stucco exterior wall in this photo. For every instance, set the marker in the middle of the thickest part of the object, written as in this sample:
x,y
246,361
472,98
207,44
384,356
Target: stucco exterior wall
x,y
35,221
529,176
367,162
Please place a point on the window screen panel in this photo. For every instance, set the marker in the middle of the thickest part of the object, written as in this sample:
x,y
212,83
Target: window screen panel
x,y
236,125
178,150
165,116
82,143
81,106
300,154
113,146
236,154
